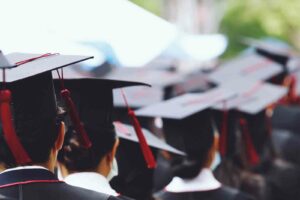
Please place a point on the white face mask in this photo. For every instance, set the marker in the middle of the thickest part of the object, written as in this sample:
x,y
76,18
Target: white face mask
x,y
114,171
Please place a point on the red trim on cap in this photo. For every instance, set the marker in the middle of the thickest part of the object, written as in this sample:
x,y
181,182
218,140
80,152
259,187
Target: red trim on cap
x,y
22,62
257,66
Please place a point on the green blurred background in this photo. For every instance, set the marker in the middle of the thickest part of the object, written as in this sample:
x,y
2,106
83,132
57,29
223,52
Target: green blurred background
x,y
251,18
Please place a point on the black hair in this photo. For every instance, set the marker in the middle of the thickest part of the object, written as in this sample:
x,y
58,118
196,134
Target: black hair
x,y
196,133
78,158
35,119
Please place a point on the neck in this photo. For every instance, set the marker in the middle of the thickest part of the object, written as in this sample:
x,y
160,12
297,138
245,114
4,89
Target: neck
x,y
50,163
102,168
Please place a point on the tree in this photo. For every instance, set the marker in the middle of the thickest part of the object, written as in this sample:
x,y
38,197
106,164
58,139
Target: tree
x,y
261,18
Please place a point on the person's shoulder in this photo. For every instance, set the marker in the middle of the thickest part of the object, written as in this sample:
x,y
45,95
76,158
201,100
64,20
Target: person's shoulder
x,y
235,194
119,198
81,193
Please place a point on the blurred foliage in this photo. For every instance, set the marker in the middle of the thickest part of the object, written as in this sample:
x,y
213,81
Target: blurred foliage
x,y
153,6
261,18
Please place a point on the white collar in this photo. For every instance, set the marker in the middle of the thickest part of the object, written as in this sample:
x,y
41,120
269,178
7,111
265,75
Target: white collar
x,y
92,181
205,181
25,167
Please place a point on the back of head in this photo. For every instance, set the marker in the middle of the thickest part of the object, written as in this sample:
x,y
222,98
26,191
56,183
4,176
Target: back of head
x,y
95,111
196,134
34,117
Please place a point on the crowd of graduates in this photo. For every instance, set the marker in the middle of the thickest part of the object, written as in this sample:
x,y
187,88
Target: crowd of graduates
x,y
226,133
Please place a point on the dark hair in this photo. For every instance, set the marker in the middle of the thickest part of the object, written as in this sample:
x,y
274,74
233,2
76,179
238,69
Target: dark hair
x,y
77,158
197,135
35,119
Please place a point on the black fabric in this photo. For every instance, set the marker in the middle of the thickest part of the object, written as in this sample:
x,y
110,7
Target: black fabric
x,y
120,198
283,181
15,176
286,118
223,193
134,180
232,127
280,59
43,190
257,126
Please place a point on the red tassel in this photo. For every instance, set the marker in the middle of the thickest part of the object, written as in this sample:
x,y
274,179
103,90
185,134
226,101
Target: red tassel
x,y
147,153
75,118
11,138
149,158
224,133
252,155
292,89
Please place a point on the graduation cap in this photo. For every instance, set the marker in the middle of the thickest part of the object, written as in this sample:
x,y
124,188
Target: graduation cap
x,y
27,95
93,100
252,99
185,110
126,132
140,96
253,66
193,82
253,96
277,51
185,105
147,75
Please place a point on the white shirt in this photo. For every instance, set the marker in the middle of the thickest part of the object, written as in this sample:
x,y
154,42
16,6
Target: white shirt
x,y
91,181
205,181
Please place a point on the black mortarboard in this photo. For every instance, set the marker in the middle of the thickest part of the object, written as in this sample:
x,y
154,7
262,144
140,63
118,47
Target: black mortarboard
x,y
27,95
253,66
272,50
93,97
186,105
126,132
179,113
140,96
93,100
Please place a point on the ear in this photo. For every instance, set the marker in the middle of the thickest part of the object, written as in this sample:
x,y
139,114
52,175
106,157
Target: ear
x,y
60,137
113,152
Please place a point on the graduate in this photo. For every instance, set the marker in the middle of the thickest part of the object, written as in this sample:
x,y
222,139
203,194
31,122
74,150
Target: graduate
x,y
32,132
135,178
92,165
188,121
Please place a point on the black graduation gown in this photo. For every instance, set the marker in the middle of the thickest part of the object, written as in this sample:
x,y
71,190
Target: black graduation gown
x,y
37,184
222,193
283,181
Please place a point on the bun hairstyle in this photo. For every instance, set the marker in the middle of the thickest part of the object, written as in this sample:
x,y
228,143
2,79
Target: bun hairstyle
x,y
78,158
196,134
